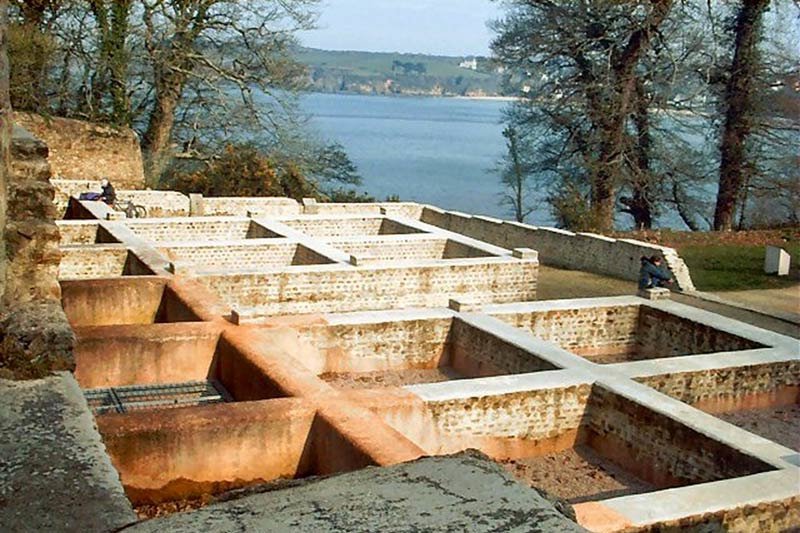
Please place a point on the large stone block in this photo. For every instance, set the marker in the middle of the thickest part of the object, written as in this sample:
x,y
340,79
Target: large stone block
x,y
777,261
35,340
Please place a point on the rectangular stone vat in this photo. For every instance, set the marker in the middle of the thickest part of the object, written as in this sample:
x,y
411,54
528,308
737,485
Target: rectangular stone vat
x,y
608,334
191,452
763,398
127,300
579,441
396,349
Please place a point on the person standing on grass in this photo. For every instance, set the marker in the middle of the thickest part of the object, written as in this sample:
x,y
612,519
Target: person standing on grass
x,y
652,274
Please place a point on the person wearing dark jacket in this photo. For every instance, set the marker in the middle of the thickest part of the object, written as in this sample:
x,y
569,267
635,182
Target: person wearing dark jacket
x,y
652,275
109,195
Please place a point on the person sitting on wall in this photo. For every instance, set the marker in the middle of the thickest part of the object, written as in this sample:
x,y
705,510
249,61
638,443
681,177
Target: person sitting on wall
x,y
652,275
107,194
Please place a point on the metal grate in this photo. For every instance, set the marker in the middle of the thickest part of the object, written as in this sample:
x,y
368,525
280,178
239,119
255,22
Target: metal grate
x,y
138,397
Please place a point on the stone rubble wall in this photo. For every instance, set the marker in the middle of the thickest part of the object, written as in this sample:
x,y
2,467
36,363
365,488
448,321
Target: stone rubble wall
x,y
31,235
349,227
157,203
380,345
479,353
81,150
35,337
663,334
403,209
335,289
723,383
564,249
83,262
235,255
536,414
198,229
580,329
635,433
74,232
239,206
410,250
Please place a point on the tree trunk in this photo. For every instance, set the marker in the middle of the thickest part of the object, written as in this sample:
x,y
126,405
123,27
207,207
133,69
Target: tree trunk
x,y
118,63
642,202
739,102
609,169
110,77
156,141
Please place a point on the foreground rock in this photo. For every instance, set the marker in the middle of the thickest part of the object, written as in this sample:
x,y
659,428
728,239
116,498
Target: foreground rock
x,y
54,472
35,340
464,492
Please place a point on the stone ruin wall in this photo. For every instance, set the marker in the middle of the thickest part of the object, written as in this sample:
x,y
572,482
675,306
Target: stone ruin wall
x,y
590,328
564,249
79,262
559,248
35,337
81,150
342,289
726,383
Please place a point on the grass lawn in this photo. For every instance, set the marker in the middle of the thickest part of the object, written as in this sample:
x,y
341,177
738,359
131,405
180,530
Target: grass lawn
x,y
727,267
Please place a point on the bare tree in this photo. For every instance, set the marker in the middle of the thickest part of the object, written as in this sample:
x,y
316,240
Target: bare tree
x,y
590,52
515,175
739,105
222,47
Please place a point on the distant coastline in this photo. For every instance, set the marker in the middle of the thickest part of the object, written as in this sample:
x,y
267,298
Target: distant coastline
x,y
390,74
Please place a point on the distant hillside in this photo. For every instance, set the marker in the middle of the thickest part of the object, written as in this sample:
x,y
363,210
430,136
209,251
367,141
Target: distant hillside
x,y
393,73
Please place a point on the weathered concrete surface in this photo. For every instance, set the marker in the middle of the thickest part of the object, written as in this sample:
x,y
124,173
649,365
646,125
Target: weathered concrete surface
x,y
54,472
464,492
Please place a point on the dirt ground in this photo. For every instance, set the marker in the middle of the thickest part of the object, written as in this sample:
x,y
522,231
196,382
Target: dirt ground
x,y
576,475
557,284
784,300
389,378
778,424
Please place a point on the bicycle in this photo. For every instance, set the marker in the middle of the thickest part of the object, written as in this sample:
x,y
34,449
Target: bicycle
x,y
130,209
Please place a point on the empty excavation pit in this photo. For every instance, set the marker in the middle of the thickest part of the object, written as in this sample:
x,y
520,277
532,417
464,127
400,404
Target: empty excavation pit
x,y
616,334
579,442
407,351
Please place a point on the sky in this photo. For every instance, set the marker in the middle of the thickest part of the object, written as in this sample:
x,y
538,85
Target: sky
x,y
444,27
